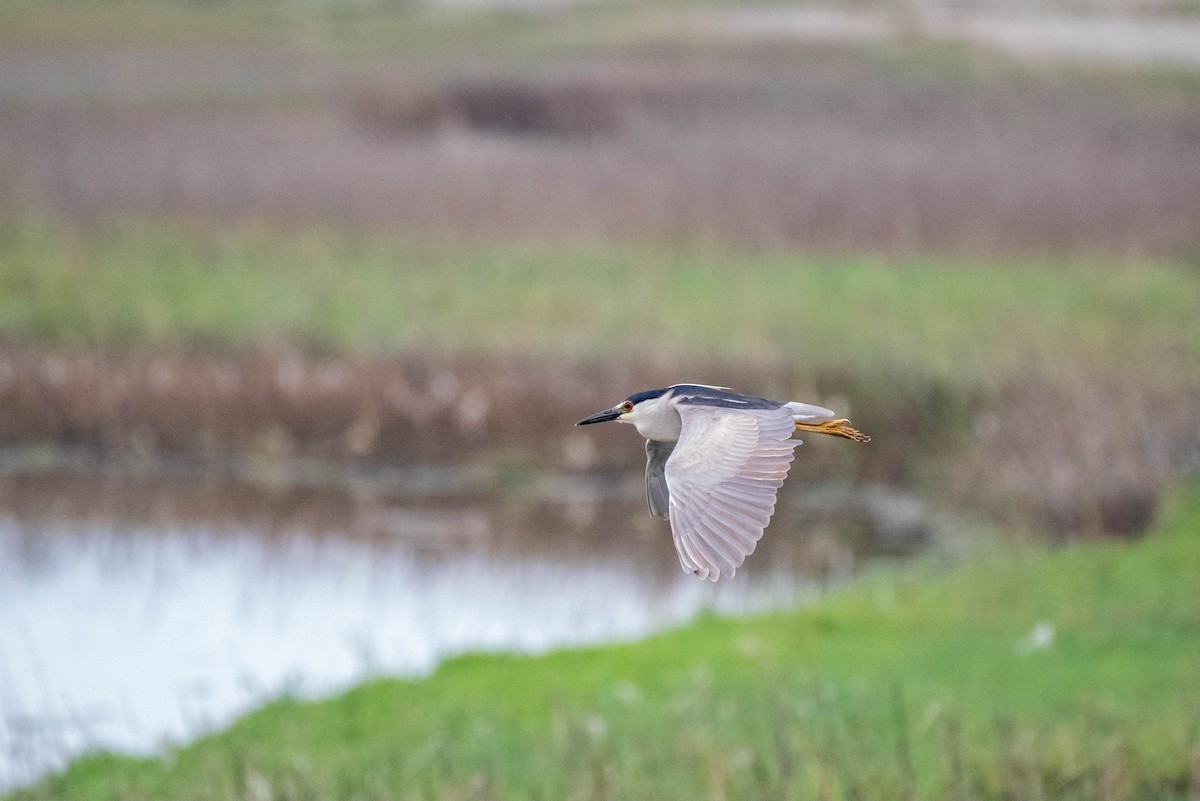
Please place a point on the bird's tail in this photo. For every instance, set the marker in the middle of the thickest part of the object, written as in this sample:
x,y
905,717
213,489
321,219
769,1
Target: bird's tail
x,y
808,413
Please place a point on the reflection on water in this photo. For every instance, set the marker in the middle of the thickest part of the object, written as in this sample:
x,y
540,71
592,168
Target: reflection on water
x,y
137,613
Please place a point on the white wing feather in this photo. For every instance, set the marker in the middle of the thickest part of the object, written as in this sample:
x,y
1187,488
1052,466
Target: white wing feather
x,y
722,478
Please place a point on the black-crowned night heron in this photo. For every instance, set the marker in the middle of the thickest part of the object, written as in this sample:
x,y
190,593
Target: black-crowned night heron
x,y
714,460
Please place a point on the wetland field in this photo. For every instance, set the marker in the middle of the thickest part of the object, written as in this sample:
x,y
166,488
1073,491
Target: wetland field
x,y
300,302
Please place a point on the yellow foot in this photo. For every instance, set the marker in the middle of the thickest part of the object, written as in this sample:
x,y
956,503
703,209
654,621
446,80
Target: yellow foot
x,y
835,428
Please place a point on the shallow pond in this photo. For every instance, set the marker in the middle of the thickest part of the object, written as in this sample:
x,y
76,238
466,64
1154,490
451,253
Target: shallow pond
x,y
140,610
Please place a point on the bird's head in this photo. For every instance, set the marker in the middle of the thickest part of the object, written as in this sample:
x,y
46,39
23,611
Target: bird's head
x,y
619,412
628,410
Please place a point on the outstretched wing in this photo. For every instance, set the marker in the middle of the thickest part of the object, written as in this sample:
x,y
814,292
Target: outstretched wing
x,y
722,478
657,494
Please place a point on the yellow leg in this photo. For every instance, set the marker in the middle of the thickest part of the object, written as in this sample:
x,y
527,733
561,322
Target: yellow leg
x,y
835,428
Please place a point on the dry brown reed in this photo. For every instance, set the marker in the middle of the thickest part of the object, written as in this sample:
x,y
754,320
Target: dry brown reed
x,y
1077,459
814,149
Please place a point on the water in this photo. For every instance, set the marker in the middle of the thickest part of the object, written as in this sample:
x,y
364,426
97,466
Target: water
x,y
136,613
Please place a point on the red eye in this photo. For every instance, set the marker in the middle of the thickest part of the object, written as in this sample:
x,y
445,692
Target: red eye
x,y
627,407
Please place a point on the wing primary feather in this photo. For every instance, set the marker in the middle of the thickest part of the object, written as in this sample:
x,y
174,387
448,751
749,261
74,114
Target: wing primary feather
x,y
703,547
698,563
728,553
752,517
685,560
734,550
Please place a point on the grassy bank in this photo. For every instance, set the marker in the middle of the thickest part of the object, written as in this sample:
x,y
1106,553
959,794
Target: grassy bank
x,y
1069,674
967,323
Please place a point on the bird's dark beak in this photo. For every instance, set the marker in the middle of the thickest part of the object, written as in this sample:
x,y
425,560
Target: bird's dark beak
x,y
600,417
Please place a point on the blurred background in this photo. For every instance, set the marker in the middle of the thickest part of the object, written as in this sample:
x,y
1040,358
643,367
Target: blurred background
x,y
300,299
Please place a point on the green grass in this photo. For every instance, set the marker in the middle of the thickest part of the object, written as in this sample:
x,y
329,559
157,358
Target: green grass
x,y
331,27
959,322
147,22
921,683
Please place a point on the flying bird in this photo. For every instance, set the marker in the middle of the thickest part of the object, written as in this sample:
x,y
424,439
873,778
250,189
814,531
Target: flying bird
x,y
714,461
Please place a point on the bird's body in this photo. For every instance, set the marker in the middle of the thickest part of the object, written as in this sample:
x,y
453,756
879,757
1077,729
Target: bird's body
x,y
714,461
